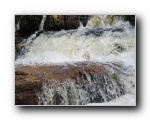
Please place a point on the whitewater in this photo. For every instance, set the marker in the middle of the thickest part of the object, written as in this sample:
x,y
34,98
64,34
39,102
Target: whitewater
x,y
105,39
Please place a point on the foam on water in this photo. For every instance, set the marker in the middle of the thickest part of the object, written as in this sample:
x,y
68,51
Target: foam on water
x,y
126,100
105,39
75,45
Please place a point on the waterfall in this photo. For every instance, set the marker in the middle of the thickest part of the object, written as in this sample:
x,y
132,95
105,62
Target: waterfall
x,y
18,25
89,87
42,23
81,25
95,89
108,40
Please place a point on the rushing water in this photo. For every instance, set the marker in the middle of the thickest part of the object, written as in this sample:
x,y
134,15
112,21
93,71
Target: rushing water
x,y
42,22
105,39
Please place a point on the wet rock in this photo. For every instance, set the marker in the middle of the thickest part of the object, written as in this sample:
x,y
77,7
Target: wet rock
x,y
59,22
49,23
28,24
47,84
71,17
118,48
99,31
130,18
29,79
117,29
84,19
67,22
26,98
71,24
57,98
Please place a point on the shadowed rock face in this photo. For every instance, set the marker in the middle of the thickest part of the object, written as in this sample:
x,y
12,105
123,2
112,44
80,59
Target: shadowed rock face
x,y
79,80
130,18
30,23
59,22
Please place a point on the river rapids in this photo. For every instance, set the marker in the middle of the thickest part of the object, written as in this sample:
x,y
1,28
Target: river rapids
x,y
106,39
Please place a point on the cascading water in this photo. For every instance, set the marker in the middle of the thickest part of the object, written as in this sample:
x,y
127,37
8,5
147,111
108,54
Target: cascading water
x,y
42,22
18,25
89,88
106,40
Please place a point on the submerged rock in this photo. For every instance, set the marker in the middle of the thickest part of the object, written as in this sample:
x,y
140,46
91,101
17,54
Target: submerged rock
x,y
118,48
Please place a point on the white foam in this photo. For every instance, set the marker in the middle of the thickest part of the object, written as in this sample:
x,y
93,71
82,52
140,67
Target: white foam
x,y
126,100
56,47
83,45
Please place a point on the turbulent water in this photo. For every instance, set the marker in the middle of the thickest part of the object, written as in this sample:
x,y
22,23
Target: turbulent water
x,y
105,39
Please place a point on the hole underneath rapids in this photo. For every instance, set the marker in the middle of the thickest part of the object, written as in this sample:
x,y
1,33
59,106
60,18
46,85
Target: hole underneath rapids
x,y
87,88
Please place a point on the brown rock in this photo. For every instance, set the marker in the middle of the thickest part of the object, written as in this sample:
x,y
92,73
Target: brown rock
x,y
49,23
26,98
130,18
59,22
71,17
71,24
29,79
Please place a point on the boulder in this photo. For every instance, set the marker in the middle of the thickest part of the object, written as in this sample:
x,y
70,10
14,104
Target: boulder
x,y
29,79
71,24
29,24
64,84
49,23
59,22
71,17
